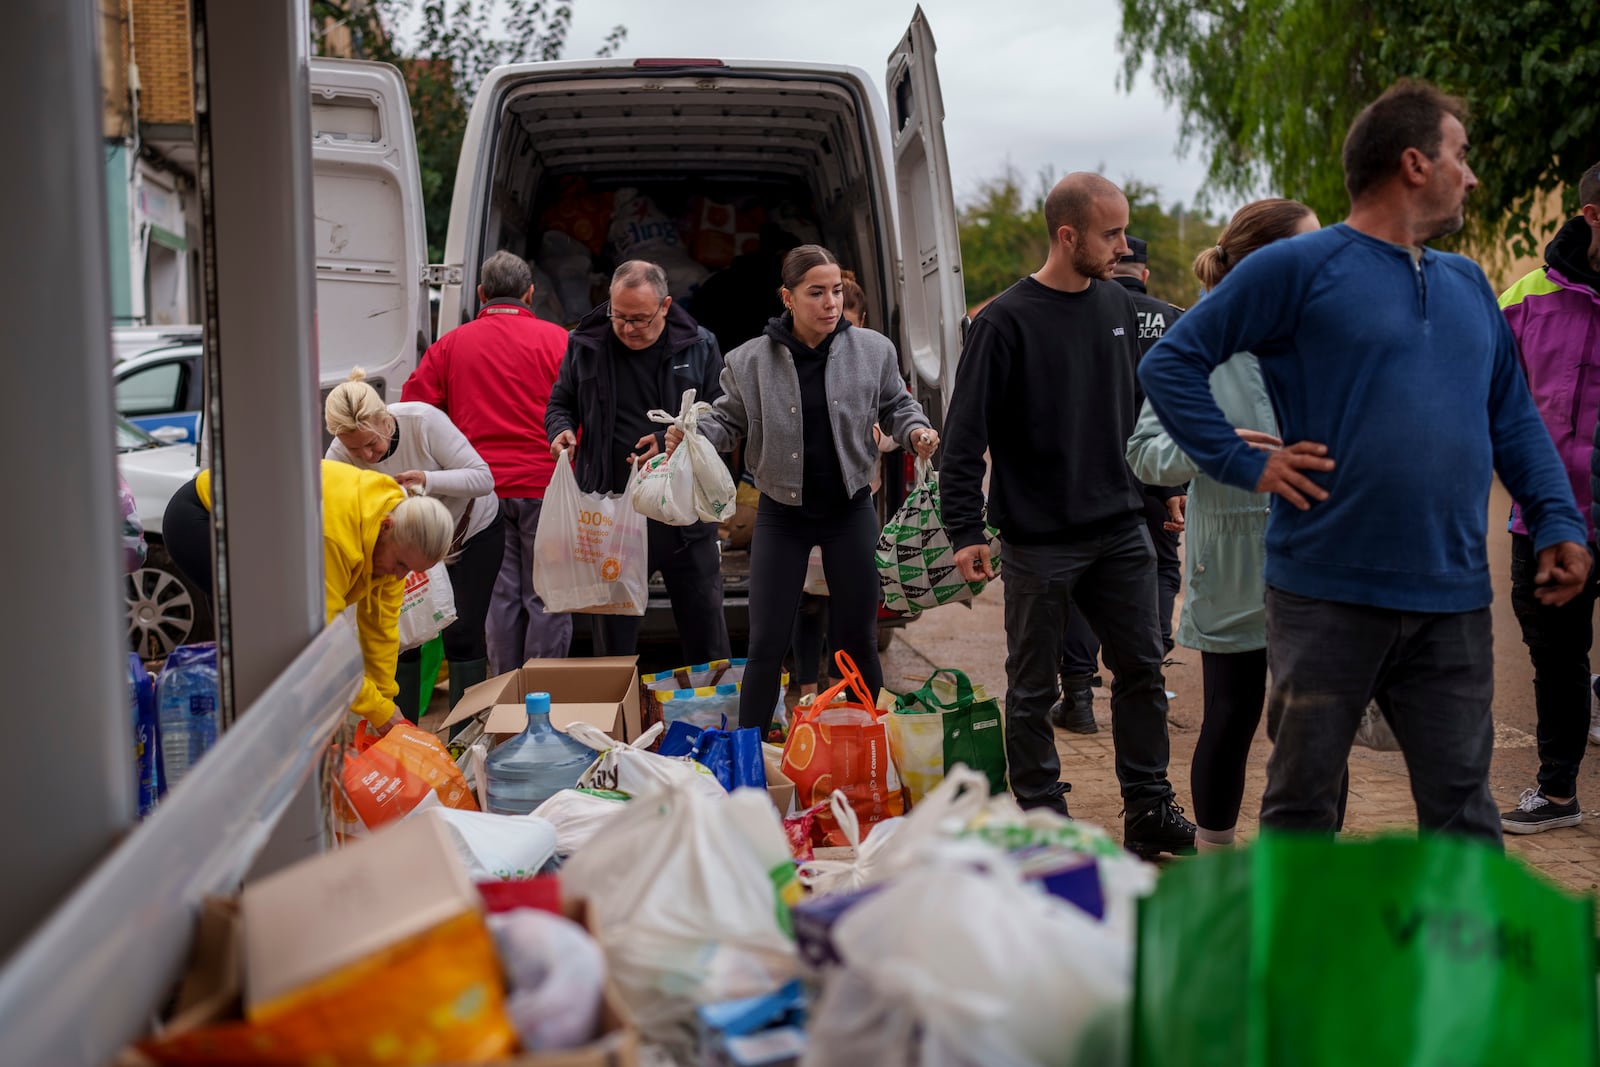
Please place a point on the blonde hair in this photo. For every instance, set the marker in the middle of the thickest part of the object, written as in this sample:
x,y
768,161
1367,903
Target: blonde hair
x,y
353,406
1258,223
424,525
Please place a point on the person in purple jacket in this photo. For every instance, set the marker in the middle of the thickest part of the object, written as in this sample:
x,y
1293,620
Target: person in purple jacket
x,y
1399,397
1554,313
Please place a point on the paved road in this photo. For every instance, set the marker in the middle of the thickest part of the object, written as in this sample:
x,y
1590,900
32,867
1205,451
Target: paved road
x,y
973,639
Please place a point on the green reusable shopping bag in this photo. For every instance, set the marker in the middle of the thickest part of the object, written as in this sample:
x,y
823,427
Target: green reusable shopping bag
x,y
915,560
944,723
1391,952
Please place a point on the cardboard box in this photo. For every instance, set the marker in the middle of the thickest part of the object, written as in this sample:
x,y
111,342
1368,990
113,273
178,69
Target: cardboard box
x,y
313,918
603,691
781,790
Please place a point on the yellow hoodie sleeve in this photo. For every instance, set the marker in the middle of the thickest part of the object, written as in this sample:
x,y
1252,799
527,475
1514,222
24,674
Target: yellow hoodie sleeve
x,y
377,626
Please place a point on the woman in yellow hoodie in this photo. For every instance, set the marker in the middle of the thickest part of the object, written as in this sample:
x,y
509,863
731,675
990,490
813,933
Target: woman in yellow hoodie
x,y
373,535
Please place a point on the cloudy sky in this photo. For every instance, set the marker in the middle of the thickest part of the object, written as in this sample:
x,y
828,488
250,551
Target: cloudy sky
x,y
1032,83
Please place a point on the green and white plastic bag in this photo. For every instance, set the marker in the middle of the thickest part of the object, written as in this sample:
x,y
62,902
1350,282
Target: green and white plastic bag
x,y
916,562
693,484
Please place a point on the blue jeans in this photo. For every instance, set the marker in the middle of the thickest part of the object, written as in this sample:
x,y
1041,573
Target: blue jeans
x,y
1434,674
1111,579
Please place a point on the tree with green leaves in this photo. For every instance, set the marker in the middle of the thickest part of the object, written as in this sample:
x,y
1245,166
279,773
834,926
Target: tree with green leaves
x,y
1003,236
1268,88
453,48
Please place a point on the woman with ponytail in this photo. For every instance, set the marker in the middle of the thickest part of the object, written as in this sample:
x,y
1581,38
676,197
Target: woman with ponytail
x,y
1224,612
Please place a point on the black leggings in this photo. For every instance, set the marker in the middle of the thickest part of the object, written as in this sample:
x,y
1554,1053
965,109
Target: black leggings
x,y
472,578
186,531
1235,688
779,551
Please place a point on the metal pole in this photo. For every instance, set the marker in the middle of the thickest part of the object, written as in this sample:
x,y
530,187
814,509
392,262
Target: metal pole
x,y
71,786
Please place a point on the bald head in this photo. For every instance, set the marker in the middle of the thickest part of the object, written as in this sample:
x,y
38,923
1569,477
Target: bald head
x,y
1072,201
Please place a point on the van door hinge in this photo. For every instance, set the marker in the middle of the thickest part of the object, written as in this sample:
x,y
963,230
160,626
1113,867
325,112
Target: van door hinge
x,y
442,273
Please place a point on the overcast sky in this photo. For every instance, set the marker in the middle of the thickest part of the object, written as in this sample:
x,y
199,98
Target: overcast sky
x,y
1029,82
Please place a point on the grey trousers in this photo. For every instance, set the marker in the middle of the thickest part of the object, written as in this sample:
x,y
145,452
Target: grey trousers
x,y
1111,578
518,627
1434,674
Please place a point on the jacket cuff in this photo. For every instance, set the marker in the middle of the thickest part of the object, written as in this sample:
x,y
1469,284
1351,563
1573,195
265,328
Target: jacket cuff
x,y
965,536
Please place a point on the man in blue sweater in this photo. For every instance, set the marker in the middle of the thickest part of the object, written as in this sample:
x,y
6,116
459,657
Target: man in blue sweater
x,y
1399,393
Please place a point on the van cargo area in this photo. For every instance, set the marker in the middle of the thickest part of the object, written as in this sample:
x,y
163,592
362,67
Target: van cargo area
x,y
710,173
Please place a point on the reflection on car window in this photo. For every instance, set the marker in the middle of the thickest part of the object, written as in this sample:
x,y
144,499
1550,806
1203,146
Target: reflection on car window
x,y
152,390
130,437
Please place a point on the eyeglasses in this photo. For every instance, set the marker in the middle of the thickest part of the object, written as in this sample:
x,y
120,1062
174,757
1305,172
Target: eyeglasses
x,y
624,323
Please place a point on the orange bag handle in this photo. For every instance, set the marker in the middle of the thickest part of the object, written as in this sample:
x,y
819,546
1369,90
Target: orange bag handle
x,y
365,738
851,679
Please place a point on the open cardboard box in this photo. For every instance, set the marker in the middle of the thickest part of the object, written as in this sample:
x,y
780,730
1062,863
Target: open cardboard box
x,y
234,962
603,691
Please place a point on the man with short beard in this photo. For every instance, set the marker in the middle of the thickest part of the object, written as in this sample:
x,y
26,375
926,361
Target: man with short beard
x,y
1046,385
1399,396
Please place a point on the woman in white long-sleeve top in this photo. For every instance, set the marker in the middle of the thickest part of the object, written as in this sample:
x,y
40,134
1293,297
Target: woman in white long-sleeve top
x,y
1224,594
418,446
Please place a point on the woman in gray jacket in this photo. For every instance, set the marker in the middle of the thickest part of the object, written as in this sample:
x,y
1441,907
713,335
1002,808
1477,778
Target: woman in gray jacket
x,y
1224,612
804,396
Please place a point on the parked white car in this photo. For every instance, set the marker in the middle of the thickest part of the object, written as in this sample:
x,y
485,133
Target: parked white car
x,y
164,610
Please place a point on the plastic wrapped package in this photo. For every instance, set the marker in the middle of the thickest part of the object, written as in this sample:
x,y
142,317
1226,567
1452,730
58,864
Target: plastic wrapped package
x,y
641,230
568,264
497,847
578,814
558,976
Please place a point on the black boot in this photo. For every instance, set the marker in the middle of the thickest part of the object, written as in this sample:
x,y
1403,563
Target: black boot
x,y
1157,828
408,676
1074,712
464,674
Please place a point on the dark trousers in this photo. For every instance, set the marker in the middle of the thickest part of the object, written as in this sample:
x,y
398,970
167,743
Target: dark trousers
x,y
810,640
1235,687
1080,649
691,567
779,551
518,627
1111,578
1434,676
1558,640
186,531
472,580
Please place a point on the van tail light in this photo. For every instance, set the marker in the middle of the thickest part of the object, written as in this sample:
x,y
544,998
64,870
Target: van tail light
x,y
660,64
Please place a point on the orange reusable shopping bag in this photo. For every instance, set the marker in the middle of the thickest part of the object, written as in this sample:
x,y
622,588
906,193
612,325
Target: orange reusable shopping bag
x,y
843,746
388,776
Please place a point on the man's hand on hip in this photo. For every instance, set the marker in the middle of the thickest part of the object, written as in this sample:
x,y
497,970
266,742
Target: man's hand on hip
x,y
565,440
1562,571
1283,473
973,563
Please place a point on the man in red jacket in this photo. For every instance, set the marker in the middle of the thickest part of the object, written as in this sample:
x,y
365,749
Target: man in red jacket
x,y
493,377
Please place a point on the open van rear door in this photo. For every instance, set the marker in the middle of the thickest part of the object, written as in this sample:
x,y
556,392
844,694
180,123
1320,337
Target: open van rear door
x,y
371,246
930,246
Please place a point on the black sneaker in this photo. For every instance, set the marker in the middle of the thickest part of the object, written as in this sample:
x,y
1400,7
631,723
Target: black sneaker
x,y
1536,813
1158,828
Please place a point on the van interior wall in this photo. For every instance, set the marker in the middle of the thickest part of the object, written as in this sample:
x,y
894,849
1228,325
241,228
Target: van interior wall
x,y
703,192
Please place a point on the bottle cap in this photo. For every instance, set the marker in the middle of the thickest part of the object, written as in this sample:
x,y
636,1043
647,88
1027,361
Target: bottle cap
x,y
537,703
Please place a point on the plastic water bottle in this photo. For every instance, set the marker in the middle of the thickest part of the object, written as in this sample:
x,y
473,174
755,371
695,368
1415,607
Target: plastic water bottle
x,y
142,701
186,708
538,763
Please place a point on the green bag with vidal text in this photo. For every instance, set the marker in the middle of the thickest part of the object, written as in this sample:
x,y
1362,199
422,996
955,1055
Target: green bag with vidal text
x,y
1391,952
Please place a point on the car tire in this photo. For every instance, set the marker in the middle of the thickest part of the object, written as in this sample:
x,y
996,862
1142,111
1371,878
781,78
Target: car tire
x,y
164,609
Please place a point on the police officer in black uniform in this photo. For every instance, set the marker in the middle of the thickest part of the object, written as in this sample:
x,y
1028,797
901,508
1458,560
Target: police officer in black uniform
x,y
1080,649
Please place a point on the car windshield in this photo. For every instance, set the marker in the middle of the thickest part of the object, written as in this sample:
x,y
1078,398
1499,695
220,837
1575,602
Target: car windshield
x,y
130,438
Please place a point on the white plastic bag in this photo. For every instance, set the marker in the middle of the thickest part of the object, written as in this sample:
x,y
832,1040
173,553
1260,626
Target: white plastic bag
x,y
693,484
590,551
428,606
497,848
635,770
558,976
689,894
896,845
577,817
985,971
1375,732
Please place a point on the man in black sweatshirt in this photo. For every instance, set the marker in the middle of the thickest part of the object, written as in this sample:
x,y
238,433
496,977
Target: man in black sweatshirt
x,y
1046,385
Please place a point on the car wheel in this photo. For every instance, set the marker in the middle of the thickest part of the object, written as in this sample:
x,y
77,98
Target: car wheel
x,y
164,610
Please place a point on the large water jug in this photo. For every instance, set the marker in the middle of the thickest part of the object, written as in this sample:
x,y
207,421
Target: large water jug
x,y
186,709
535,765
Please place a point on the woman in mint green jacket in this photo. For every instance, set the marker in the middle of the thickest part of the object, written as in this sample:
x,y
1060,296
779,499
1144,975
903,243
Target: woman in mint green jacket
x,y
1224,613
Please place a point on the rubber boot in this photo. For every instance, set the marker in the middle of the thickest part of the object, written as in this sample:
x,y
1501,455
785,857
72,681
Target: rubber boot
x,y
408,676
464,674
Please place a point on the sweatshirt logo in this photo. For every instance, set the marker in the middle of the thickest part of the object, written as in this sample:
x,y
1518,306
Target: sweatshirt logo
x,y
1117,331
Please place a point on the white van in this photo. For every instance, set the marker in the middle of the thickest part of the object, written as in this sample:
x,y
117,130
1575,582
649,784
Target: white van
x,y
577,165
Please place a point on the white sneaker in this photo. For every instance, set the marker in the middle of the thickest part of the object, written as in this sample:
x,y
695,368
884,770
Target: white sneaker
x,y
1594,710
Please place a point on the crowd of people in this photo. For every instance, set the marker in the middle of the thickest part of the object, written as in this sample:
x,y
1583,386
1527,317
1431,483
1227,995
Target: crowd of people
x,y
1322,426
